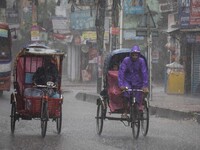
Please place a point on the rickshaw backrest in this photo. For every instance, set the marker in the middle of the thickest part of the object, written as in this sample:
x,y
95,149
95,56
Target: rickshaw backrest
x,y
114,92
26,67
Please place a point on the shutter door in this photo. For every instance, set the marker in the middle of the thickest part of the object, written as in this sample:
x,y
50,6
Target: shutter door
x,y
195,86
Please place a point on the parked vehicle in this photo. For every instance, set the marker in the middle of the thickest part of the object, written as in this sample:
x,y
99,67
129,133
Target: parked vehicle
x,y
5,57
32,100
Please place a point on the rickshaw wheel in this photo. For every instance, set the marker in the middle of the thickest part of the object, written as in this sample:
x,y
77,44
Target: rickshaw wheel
x,y
135,121
44,118
145,119
13,117
99,118
59,121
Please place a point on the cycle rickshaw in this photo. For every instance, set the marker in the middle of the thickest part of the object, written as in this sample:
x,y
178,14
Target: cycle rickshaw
x,y
30,101
112,97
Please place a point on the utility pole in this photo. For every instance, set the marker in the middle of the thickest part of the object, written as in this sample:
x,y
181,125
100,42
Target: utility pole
x,y
115,21
99,23
121,24
149,43
146,30
34,11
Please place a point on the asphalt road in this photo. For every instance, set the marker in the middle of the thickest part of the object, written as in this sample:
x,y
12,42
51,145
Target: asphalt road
x,y
79,131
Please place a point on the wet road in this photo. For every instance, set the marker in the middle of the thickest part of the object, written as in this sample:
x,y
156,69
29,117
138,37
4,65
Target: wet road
x,y
79,131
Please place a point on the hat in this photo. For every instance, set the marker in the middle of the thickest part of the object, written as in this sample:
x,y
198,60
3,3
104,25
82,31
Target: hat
x,y
135,49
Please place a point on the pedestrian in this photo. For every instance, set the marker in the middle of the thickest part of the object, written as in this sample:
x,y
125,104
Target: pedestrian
x,y
133,73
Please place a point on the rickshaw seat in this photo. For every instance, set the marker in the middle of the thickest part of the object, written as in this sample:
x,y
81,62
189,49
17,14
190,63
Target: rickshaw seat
x,y
114,92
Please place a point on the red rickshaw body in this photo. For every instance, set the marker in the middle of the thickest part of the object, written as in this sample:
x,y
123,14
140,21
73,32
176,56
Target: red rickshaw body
x,y
28,97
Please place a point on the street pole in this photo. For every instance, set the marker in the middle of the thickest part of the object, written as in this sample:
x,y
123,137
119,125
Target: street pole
x,y
99,23
121,24
34,12
115,20
149,43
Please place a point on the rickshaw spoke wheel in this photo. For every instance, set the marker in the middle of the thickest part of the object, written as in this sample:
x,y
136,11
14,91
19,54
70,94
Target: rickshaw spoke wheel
x,y
44,118
59,121
99,118
145,120
135,121
13,116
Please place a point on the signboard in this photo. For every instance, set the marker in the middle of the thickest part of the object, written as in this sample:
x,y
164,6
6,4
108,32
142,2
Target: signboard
x,y
193,38
12,16
189,13
60,24
131,35
115,30
3,33
155,56
134,6
184,13
167,7
86,2
144,33
195,12
81,20
35,34
92,36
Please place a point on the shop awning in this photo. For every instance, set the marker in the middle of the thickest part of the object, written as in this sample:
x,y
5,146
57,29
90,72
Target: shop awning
x,y
169,30
190,30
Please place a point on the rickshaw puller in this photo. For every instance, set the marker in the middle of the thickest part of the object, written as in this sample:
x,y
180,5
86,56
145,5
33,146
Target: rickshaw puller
x,y
133,73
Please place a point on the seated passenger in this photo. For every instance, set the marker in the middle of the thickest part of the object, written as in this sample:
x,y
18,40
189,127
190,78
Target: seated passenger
x,y
48,72
115,67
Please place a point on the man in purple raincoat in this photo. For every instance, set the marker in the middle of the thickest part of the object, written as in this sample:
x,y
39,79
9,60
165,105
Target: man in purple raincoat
x,y
133,73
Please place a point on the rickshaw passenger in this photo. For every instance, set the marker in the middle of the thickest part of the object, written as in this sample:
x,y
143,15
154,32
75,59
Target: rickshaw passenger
x,y
133,73
115,67
48,72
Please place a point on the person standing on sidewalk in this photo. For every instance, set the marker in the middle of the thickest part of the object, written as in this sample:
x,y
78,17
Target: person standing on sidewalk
x,y
133,73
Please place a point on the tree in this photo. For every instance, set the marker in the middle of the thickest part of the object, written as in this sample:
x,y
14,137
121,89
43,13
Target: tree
x,y
100,19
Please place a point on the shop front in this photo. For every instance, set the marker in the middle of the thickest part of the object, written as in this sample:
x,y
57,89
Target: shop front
x,y
191,60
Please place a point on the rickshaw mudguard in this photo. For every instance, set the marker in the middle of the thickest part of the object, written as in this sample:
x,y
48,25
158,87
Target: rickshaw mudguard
x,y
101,101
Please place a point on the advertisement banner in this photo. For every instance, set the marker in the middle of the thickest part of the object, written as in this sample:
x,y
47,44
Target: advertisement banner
x,y
35,34
82,20
195,12
184,13
134,6
92,36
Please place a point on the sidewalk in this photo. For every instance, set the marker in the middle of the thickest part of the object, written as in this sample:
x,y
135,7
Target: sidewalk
x,y
162,104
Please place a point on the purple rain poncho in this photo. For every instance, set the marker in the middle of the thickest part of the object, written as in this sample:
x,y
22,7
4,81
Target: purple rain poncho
x,y
133,74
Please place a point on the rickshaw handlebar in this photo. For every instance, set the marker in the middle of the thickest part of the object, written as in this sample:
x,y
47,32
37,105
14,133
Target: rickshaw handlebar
x,y
133,90
48,85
